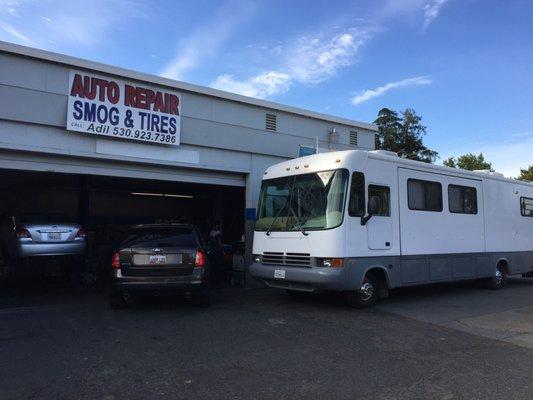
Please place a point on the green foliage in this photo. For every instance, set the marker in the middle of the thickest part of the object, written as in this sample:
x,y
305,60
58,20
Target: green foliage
x,y
450,162
526,174
403,135
469,162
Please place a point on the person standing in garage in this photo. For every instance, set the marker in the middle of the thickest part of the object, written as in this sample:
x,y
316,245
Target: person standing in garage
x,y
217,254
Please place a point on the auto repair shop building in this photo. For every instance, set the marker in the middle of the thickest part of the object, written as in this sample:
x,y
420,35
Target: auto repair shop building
x,y
112,147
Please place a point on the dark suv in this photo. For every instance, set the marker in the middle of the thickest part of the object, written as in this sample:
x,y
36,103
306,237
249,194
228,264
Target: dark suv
x,y
158,259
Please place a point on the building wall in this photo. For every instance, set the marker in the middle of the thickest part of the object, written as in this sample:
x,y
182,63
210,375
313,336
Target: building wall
x,y
220,132
223,140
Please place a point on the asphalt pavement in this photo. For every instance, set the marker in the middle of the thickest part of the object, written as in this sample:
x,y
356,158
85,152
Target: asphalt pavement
x,y
62,343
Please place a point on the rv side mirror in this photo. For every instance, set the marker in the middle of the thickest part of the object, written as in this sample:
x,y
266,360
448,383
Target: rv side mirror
x,y
374,205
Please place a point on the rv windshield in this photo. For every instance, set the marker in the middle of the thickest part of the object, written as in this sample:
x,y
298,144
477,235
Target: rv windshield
x,y
310,201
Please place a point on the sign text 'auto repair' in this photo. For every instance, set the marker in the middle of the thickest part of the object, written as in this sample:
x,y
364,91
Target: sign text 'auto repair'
x,y
112,107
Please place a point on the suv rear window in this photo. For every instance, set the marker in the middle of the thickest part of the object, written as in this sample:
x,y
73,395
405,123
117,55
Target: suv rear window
x,y
161,238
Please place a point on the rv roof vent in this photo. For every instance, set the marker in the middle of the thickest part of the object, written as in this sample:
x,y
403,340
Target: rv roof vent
x,y
488,172
385,153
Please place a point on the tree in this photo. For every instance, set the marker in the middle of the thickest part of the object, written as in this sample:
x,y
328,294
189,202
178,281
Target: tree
x,y
403,135
469,162
526,174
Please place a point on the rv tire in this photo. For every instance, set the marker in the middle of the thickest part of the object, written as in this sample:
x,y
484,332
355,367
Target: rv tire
x,y
499,280
366,295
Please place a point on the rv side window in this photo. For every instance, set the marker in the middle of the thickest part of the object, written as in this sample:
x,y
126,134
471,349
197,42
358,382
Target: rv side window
x,y
424,195
526,206
356,206
462,199
383,194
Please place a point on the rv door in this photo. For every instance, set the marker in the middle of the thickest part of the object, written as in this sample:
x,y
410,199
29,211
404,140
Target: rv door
x,y
379,226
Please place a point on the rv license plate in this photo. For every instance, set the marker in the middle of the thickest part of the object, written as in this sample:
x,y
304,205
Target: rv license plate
x,y
279,273
54,236
157,259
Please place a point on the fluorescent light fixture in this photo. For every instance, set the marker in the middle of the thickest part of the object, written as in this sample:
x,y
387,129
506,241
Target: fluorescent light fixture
x,y
180,196
147,194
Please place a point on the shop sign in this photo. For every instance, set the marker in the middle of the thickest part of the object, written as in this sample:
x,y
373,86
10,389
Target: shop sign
x,y
128,110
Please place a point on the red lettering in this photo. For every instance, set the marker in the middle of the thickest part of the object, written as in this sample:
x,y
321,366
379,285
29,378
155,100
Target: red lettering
x,y
101,84
141,98
89,86
159,104
174,104
77,86
113,92
167,103
150,98
130,99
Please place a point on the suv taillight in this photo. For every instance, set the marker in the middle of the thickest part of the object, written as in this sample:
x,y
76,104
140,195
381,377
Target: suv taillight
x,y
81,233
200,259
23,233
115,263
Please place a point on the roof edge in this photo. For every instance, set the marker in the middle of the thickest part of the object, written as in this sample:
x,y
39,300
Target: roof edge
x,y
49,56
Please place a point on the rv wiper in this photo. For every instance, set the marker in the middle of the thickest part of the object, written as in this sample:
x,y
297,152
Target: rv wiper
x,y
289,199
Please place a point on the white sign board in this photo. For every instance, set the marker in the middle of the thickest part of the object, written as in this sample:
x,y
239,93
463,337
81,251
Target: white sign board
x,y
112,107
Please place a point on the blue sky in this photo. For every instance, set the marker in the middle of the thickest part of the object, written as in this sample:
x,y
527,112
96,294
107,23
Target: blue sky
x,y
466,66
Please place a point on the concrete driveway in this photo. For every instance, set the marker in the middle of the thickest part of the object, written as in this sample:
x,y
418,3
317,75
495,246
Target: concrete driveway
x,y
504,315
61,343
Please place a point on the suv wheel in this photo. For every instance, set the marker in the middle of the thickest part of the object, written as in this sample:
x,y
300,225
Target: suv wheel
x,y
366,295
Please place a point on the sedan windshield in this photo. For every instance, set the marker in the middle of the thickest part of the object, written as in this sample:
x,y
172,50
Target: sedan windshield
x,y
310,201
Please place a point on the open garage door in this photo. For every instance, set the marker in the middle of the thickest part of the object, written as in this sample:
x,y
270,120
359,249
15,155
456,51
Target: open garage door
x,y
107,206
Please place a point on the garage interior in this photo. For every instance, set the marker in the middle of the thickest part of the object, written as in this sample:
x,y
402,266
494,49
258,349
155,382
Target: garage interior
x,y
107,206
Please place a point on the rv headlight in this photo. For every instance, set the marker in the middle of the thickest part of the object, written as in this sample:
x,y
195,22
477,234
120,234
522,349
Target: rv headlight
x,y
257,259
333,262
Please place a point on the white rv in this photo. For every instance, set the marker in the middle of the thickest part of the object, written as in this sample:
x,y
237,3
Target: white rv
x,y
365,222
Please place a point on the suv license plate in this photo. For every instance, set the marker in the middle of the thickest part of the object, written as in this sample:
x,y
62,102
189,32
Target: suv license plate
x,y
54,236
279,273
158,259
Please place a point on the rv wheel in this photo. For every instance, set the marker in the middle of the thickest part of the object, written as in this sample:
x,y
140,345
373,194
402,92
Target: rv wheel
x,y
499,280
366,295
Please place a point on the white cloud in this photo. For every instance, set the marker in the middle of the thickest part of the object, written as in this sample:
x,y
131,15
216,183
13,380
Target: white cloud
x,y
309,60
381,90
432,10
47,19
206,39
402,9
313,60
259,86
13,32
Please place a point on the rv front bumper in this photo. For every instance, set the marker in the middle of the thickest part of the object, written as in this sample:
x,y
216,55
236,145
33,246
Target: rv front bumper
x,y
308,279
